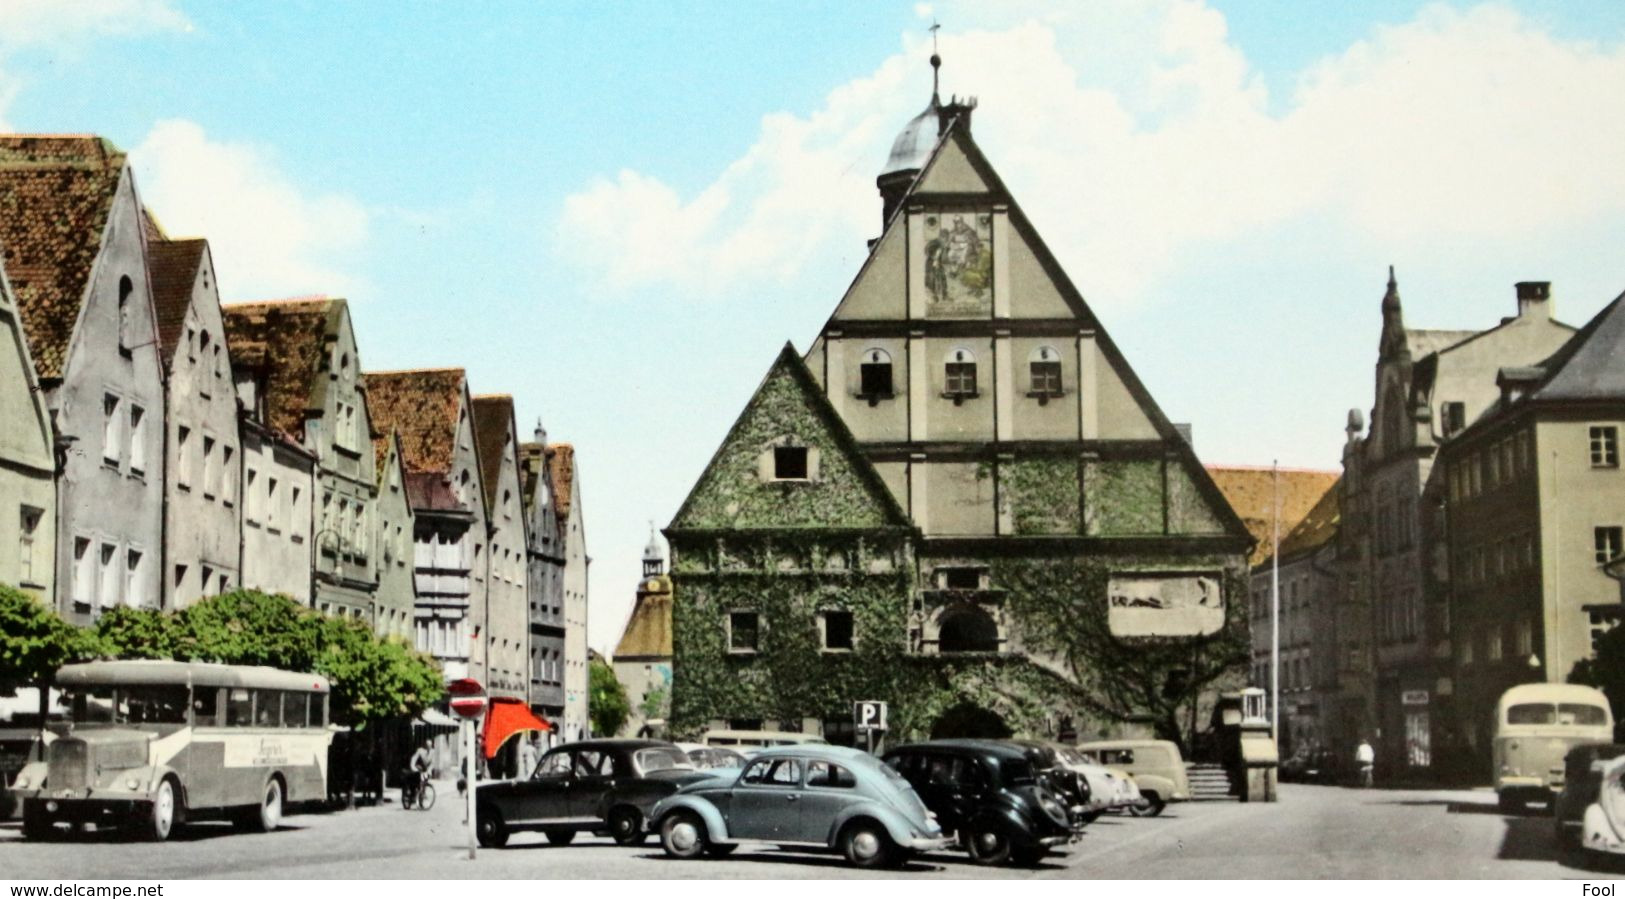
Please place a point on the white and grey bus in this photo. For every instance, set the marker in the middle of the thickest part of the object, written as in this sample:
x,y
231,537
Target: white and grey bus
x,y
149,744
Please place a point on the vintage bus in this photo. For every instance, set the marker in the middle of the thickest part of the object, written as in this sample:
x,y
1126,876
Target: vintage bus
x,y
149,744
1535,727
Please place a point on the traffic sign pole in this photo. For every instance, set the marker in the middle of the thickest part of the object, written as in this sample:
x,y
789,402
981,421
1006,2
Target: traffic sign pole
x,y
469,726
468,700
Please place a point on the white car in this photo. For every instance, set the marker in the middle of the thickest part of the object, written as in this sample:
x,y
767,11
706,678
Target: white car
x,y
1603,829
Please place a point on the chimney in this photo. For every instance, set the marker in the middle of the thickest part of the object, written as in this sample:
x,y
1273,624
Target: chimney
x,y
1535,299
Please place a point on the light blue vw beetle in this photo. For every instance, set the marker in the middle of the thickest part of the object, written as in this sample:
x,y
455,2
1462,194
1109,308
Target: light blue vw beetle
x,y
828,797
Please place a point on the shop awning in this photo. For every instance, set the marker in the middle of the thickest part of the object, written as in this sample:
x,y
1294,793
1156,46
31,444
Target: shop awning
x,y
504,717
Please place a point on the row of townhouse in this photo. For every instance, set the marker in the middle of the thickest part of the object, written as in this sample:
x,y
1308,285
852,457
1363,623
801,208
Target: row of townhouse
x,y
158,446
1466,546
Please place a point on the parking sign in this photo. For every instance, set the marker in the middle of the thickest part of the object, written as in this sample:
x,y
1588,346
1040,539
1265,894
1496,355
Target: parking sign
x,y
869,715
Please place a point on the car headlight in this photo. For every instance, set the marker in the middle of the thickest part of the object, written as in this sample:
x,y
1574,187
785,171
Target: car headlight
x,y
131,783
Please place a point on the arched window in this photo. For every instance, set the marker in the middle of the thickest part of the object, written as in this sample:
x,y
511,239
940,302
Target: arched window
x,y
967,629
875,383
1044,365
959,375
125,288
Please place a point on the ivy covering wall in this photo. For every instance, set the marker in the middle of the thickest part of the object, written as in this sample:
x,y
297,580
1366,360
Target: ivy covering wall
x,y
1043,495
1123,497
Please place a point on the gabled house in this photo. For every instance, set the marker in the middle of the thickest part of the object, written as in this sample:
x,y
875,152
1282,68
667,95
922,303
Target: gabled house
x,y
506,642
298,360
544,556
203,455
28,515
397,595
431,411
565,476
71,229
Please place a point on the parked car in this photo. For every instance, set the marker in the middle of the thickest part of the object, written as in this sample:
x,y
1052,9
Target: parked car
x,y
712,756
748,742
1156,767
1602,829
811,795
1069,783
1108,790
599,786
1582,778
988,796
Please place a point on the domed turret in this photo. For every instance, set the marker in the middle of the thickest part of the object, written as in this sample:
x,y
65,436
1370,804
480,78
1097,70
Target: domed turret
x,y
654,561
915,143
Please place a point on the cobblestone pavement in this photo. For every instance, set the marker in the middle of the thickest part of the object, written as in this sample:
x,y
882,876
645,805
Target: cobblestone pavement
x,y
1312,832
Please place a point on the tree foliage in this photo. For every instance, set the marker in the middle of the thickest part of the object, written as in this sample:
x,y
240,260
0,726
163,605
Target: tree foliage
x,y
1606,670
34,641
606,700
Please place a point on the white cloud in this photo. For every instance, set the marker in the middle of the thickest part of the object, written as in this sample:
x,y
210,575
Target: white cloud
x,y
25,22
1131,146
269,237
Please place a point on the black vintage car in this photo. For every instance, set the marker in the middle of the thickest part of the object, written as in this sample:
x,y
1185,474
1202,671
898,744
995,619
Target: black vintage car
x,y
988,795
1582,778
1068,785
599,786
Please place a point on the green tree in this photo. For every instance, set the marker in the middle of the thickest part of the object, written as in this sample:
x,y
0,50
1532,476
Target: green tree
x,y
34,642
656,704
129,633
606,700
247,627
373,679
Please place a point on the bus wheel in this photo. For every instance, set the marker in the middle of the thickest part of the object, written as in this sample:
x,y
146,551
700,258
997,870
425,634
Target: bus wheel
x,y
268,815
163,812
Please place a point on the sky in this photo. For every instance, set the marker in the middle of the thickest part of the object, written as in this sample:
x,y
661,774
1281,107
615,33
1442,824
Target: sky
x,y
619,213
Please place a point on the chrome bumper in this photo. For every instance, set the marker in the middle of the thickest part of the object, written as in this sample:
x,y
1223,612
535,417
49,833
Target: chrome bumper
x,y
927,844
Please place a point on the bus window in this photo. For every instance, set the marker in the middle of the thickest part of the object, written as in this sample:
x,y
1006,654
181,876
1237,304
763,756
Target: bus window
x,y
267,708
295,709
1577,713
1532,713
239,708
206,707
152,705
91,705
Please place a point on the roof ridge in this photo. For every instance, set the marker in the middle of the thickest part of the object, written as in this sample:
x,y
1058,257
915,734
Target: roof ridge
x,y
412,371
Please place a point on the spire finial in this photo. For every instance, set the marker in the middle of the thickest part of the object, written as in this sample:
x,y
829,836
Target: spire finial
x,y
1391,281
936,61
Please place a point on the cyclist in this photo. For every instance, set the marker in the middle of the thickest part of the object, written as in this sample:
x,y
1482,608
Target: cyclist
x,y
417,770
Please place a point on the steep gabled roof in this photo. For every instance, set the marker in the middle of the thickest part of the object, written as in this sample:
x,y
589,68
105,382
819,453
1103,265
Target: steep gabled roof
x,y
286,340
532,460
493,422
56,192
1591,365
421,405
561,473
173,266
648,631
1317,528
1251,491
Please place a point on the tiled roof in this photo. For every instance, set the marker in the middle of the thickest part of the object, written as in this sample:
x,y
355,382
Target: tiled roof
x,y
1251,492
493,416
173,266
1591,366
648,631
421,405
150,226
287,341
381,441
561,472
1317,528
55,195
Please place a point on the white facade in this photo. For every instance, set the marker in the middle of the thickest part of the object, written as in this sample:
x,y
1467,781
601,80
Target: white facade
x,y
577,724
28,511
276,546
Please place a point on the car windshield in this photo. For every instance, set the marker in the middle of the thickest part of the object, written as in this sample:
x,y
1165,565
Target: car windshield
x,y
1016,773
662,759
131,704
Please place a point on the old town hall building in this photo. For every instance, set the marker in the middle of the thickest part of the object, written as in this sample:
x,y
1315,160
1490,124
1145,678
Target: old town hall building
x,y
960,500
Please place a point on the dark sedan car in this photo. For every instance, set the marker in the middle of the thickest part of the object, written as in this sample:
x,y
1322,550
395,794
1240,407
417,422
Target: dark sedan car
x,y
1068,785
1582,777
988,795
600,786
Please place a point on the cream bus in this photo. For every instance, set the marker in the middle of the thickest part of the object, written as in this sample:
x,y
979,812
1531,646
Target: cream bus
x,y
149,744
1535,727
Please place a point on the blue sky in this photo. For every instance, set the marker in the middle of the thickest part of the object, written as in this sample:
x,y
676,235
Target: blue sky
x,y
618,213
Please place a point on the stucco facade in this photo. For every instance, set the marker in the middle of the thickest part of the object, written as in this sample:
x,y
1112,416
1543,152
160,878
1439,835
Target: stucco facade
x,y
276,543
396,596
28,516
506,638
71,227
566,474
203,457
545,576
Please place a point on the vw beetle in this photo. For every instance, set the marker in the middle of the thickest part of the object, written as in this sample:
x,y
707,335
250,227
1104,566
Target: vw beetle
x,y
812,796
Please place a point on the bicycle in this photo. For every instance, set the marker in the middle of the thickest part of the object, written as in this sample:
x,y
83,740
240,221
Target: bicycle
x,y
421,796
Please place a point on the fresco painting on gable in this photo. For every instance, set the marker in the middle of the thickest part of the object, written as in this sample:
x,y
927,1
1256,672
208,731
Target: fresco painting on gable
x,y
958,263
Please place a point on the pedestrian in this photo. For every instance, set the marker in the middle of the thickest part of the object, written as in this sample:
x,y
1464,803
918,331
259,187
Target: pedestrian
x,y
1366,758
527,755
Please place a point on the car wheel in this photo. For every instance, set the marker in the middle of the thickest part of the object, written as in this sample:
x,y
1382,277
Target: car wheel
x,y
37,824
268,815
867,845
561,837
490,829
988,847
161,813
1149,806
626,827
682,835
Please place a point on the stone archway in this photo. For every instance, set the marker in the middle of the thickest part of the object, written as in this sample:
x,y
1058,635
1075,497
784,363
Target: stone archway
x,y
967,629
969,720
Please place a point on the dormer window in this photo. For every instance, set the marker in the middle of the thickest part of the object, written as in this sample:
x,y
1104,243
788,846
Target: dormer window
x,y
1044,365
790,463
959,375
875,376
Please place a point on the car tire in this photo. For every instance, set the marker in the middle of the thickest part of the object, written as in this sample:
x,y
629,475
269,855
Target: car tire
x,y
682,835
1149,806
37,824
163,813
489,828
867,845
626,827
988,846
560,837
267,816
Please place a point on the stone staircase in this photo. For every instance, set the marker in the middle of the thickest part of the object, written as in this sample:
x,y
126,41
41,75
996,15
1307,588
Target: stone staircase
x,y
1211,782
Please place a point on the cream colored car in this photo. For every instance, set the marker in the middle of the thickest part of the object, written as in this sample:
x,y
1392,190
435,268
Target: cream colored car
x,y
1156,766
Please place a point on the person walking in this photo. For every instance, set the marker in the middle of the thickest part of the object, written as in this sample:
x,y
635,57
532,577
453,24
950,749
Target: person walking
x,y
1366,758
417,771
